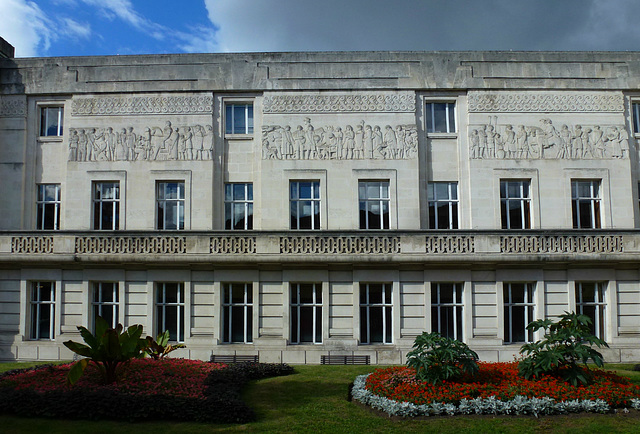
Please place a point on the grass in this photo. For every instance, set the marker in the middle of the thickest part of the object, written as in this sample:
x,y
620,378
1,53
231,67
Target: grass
x,y
314,399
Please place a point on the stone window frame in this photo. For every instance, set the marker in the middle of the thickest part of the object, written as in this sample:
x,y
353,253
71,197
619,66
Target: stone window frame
x,y
599,304
381,200
316,306
314,200
109,176
364,308
635,117
302,175
248,305
246,202
222,277
529,304
98,303
433,200
429,116
44,105
594,201
42,205
457,306
180,305
27,278
238,100
588,174
116,212
532,176
184,176
36,305
177,203
523,199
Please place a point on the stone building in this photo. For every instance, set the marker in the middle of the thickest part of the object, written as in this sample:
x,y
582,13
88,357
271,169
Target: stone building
x,y
292,205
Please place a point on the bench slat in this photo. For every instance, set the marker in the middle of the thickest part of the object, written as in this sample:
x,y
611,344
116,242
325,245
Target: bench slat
x,y
233,358
344,360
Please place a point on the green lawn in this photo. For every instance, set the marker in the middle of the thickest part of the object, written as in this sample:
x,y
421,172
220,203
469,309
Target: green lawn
x,y
315,399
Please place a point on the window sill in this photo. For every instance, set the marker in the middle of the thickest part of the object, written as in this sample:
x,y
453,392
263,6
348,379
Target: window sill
x,y
238,136
442,135
50,139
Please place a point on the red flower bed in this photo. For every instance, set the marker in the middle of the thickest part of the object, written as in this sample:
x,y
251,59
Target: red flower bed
x,y
148,377
502,381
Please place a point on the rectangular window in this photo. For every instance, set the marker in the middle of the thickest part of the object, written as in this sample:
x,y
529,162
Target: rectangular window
x,y
376,313
443,205
306,313
170,310
238,206
585,204
48,207
446,309
590,302
304,197
518,312
515,204
105,302
51,121
441,117
635,108
106,205
170,205
239,118
374,204
237,313
43,309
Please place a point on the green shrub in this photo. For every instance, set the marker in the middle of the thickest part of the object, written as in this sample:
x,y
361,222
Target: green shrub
x,y
566,343
159,348
436,358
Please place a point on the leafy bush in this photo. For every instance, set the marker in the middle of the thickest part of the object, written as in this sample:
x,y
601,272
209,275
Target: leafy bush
x,y
566,343
108,348
436,358
159,348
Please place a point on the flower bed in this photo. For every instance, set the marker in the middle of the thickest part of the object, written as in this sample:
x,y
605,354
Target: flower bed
x,y
497,388
147,389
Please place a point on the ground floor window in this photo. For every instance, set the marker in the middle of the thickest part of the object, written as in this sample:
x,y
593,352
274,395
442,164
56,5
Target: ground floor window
x,y
376,313
306,313
446,309
237,313
105,302
518,312
43,309
170,310
590,302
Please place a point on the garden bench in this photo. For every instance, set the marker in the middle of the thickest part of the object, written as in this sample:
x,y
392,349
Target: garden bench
x,y
344,360
233,358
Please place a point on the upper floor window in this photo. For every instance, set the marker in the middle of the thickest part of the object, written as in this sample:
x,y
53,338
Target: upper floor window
x,y
105,302
306,313
518,312
515,204
374,203
48,207
51,121
304,199
170,205
590,301
441,117
446,310
43,309
635,108
106,205
443,205
239,118
238,206
585,204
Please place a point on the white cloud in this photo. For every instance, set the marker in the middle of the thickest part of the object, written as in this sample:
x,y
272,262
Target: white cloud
x,y
124,10
75,29
26,27
200,40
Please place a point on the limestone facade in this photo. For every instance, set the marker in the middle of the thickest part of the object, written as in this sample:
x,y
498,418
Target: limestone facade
x,y
292,205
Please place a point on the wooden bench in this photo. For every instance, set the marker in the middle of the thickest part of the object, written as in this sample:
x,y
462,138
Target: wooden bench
x,y
233,358
344,360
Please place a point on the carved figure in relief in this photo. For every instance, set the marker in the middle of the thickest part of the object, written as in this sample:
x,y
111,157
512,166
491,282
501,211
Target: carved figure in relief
x,y
482,142
624,142
90,143
73,144
208,139
474,141
121,145
130,141
100,149
510,142
598,141
358,150
299,140
378,143
111,140
390,142
578,145
287,143
587,144
349,142
82,145
613,138
368,141
565,142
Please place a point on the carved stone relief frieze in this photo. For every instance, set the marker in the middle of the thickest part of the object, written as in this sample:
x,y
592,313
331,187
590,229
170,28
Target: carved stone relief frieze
x,y
142,105
152,143
330,142
13,106
544,102
547,141
400,102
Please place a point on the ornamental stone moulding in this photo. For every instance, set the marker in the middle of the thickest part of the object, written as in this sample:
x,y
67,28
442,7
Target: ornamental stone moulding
x,y
142,105
13,106
400,102
544,102
547,141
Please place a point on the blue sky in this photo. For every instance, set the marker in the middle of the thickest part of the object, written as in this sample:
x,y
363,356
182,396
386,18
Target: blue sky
x,y
103,27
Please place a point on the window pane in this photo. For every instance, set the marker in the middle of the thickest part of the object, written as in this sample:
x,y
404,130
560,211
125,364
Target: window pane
x,y
439,114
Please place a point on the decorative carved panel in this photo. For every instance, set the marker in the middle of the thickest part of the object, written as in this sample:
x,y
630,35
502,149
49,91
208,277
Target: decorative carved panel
x,y
544,141
443,244
142,105
131,245
171,142
561,244
32,245
233,245
330,142
544,102
13,106
404,102
339,245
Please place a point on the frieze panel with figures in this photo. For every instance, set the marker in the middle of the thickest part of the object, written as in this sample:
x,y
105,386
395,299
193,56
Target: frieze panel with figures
x,y
531,102
495,140
331,142
188,142
349,103
142,105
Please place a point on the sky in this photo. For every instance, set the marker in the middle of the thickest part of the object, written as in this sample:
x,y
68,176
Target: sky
x,y
39,28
